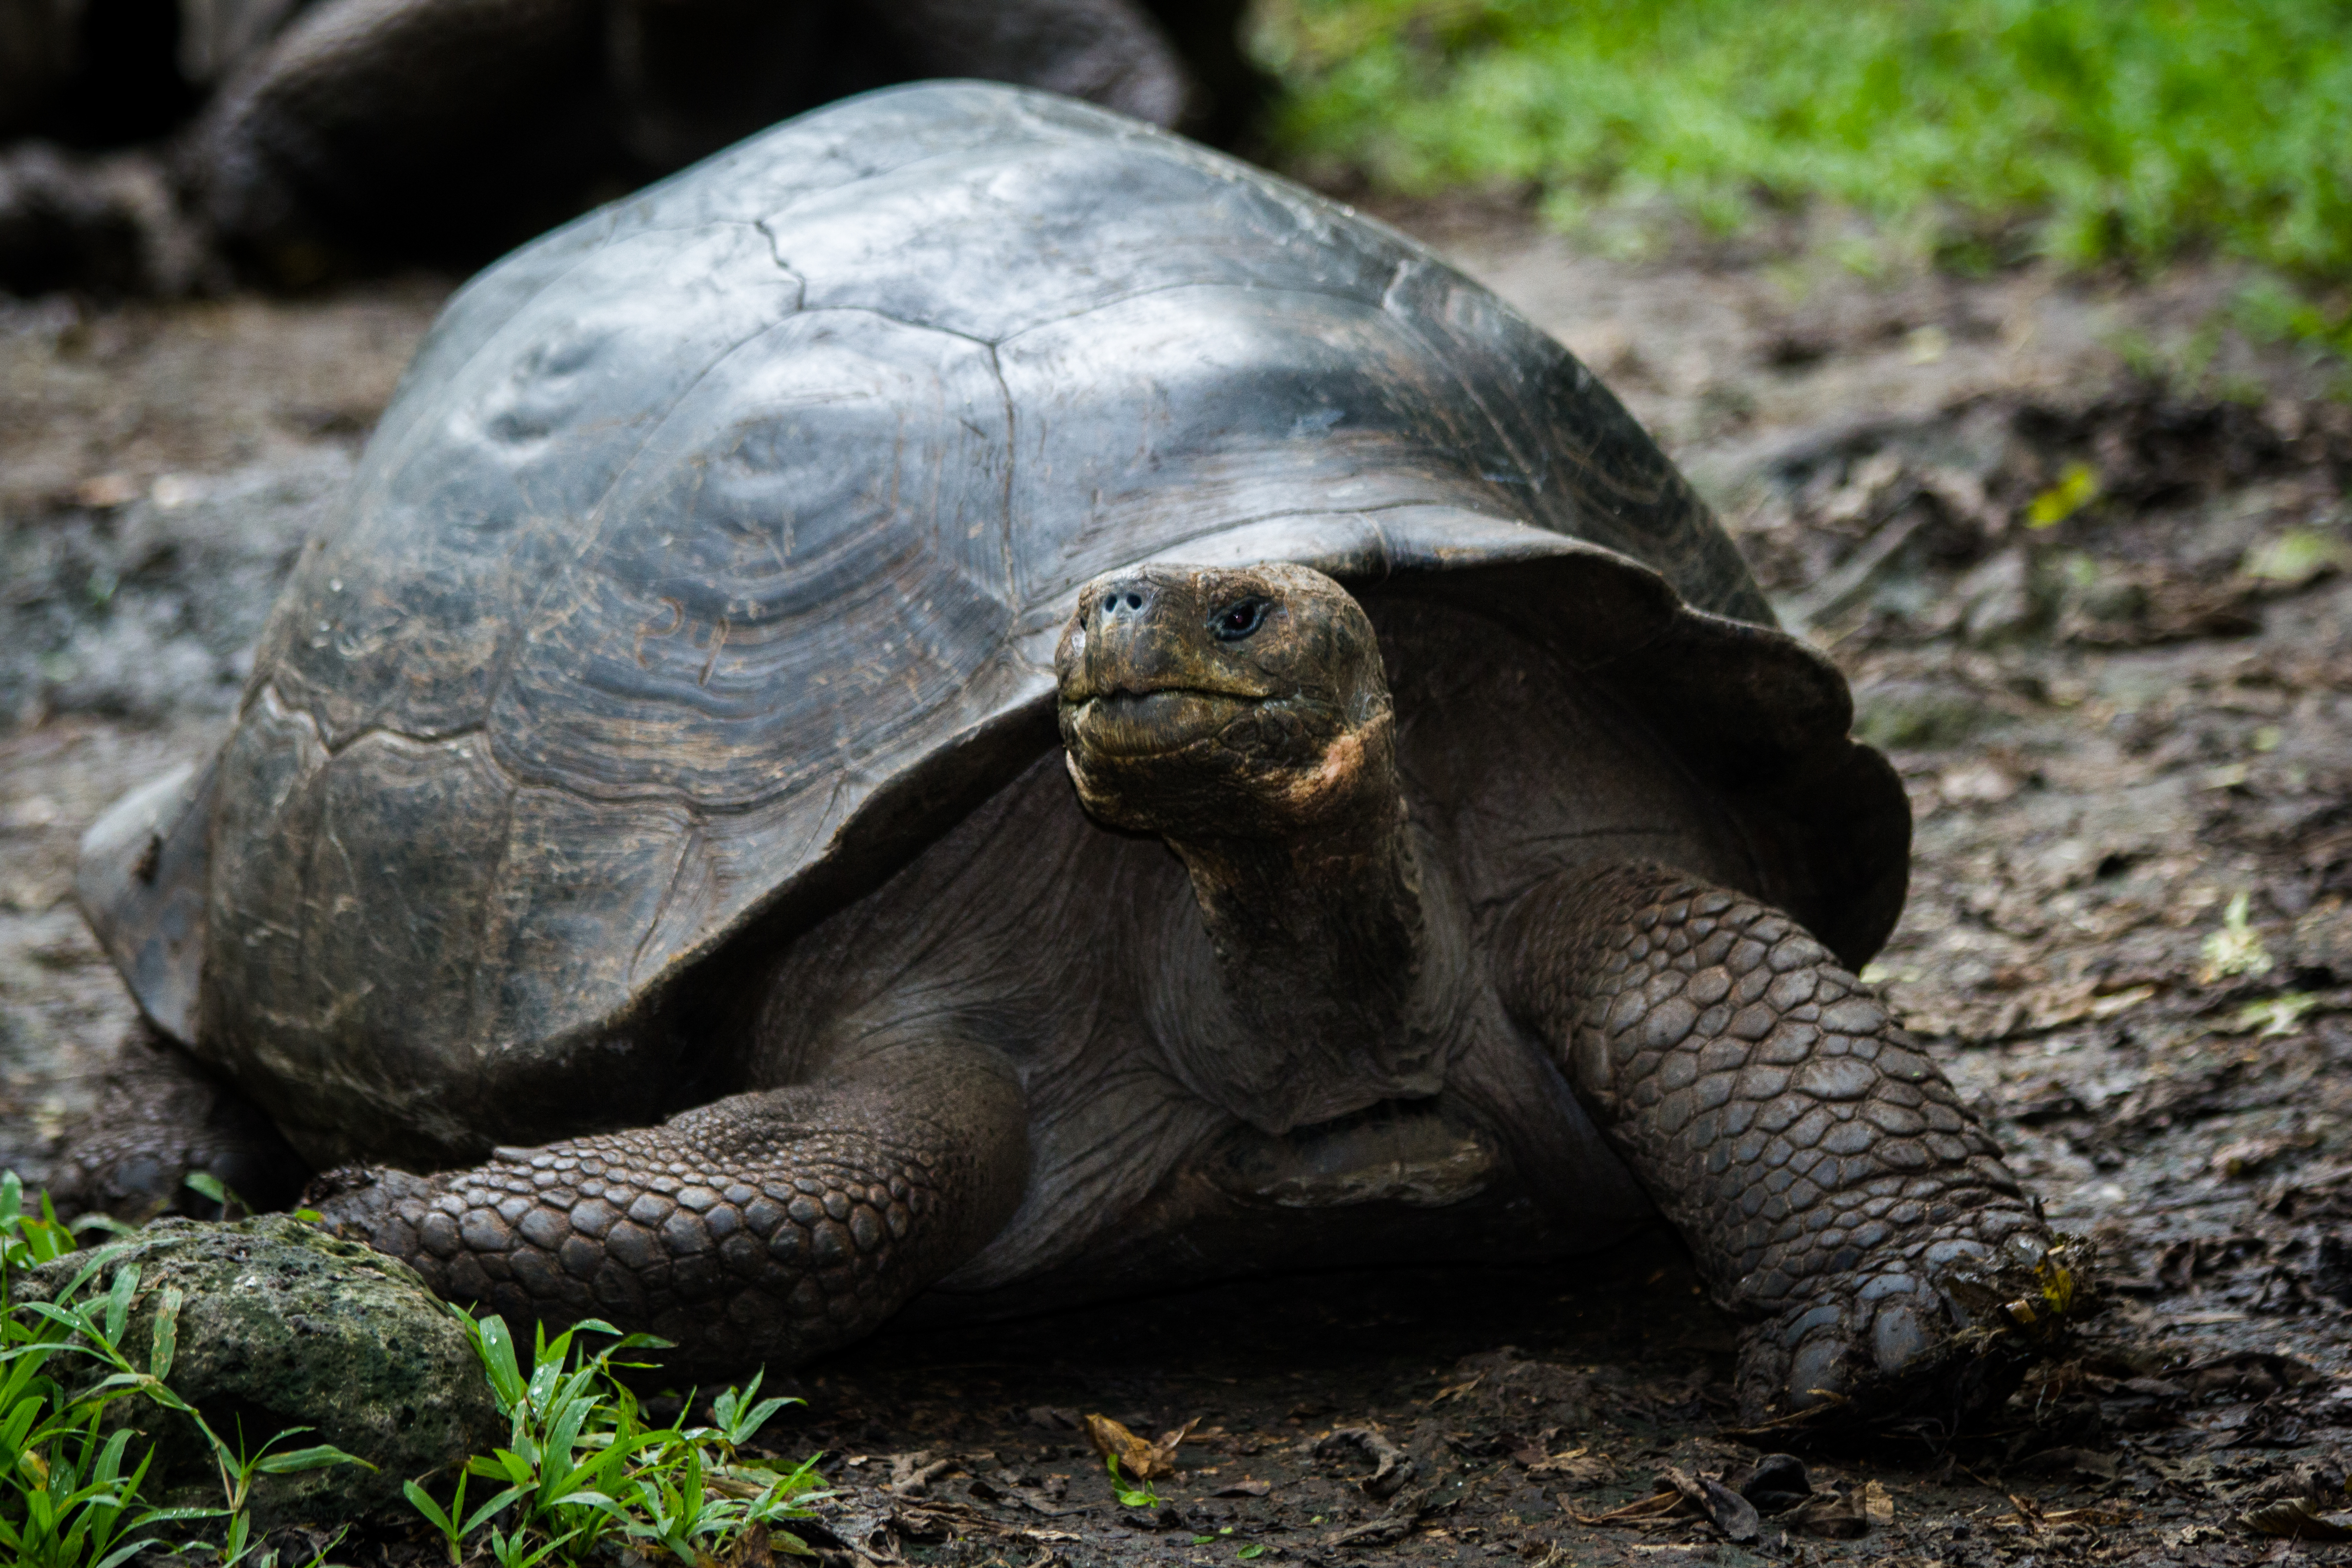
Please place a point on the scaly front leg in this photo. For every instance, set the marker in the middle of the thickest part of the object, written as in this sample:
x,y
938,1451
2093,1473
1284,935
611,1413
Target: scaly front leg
x,y
760,1228
1830,1186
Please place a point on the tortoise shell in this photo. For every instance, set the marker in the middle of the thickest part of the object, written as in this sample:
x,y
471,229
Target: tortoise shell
x,y
710,562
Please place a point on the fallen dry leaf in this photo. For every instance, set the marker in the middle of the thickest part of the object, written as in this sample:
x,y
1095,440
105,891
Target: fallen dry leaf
x,y
2297,1518
2251,1374
1775,1483
912,1474
1725,1509
1577,1466
1392,1466
1835,1515
2248,1155
1137,1457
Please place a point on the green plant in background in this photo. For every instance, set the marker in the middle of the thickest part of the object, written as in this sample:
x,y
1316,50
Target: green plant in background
x,y
2090,131
66,1498
581,1467
2281,1014
2237,948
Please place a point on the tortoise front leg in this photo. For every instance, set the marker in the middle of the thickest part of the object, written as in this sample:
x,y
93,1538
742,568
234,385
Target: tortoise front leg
x,y
762,1227
1821,1169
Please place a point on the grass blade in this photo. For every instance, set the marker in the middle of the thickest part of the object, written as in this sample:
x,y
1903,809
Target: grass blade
x,y
165,1344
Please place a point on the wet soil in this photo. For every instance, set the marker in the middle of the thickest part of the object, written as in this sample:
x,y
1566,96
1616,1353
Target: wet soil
x,y
2084,563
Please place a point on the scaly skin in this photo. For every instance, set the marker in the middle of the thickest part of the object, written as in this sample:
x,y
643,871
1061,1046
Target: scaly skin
x,y
159,1118
1832,1188
767,1227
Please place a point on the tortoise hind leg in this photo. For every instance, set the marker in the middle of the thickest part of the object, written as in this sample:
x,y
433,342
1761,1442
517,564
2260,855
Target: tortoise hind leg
x,y
767,1227
160,1118
1829,1183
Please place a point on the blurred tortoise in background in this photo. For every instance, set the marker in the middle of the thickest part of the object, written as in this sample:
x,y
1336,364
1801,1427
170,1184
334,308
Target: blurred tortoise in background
x,y
308,135
646,814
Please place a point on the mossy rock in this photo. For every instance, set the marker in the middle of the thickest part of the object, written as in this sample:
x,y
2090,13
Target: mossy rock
x,y
281,1325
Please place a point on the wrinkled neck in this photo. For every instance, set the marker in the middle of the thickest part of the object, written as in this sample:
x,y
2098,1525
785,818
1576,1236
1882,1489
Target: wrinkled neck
x,y
1321,952
1323,924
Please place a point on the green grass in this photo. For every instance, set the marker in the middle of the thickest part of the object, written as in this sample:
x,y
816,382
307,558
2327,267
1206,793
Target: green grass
x,y
582,1473
70,1490
1986,131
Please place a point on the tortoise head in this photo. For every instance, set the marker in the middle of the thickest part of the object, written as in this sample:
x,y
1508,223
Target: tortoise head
x,y
1218,703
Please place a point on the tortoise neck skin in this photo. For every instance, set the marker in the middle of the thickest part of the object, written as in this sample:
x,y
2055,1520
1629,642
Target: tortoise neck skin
x,y
1321,945
1244,717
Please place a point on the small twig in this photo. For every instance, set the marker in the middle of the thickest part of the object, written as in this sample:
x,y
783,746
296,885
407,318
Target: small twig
x,y
1794,1418
1455,1391
1853,579
1656,1506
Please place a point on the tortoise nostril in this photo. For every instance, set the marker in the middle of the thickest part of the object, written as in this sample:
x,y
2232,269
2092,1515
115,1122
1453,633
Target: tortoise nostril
x,y
1123,600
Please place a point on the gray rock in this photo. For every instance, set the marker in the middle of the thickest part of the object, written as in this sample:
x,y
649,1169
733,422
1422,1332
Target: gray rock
x,y
2322,940
151,608
282,1325
1996,599
1919,714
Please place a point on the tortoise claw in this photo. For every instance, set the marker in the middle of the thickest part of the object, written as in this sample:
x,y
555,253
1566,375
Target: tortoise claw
x,y
1869,1350
159,1118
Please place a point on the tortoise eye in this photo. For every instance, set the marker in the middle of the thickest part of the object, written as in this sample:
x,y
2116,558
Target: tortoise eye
x,y
1236,622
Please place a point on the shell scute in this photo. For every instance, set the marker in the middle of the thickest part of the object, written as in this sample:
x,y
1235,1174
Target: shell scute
x,y
829,489
490,477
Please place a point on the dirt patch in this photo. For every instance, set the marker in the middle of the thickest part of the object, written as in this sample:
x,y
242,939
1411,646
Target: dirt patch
x,y
159,466
2086,570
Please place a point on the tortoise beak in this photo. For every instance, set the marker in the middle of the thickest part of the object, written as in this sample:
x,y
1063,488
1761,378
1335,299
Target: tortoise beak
x,y
1144,632
1197,699
1139,672
1143,724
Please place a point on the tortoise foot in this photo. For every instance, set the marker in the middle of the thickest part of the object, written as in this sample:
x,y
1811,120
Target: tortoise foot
x,y
1831,1186
1933,1344
160,1118
364,1203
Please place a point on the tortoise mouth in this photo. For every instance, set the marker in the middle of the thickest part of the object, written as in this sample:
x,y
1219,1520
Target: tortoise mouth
x,y
1145,723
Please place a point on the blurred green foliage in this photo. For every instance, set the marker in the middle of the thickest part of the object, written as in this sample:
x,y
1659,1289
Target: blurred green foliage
x,y
1985,132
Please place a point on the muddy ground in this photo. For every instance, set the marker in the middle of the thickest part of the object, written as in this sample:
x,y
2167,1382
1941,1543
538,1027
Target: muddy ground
x,y
2084,561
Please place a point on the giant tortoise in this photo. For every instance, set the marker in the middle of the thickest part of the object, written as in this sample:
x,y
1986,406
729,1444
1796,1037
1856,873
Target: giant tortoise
x,y
971,700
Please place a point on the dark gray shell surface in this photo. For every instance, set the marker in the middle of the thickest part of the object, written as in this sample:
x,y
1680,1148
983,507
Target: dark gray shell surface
x,y
711,557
